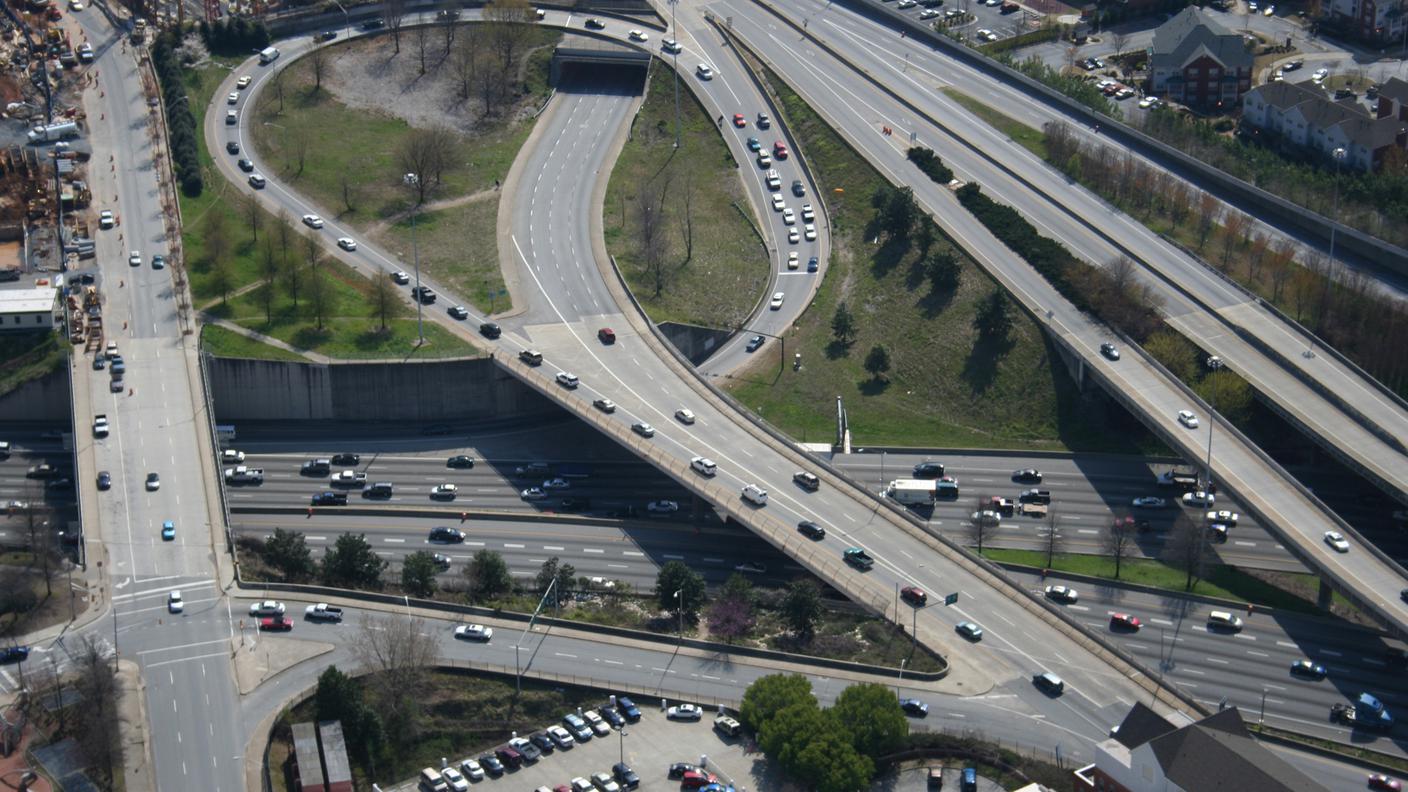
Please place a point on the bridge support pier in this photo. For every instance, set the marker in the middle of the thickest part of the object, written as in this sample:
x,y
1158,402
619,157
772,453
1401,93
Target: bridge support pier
x,y
1323,596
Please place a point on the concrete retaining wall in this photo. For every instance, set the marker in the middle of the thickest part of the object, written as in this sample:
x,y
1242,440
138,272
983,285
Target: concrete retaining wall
x,y
694,342
45,399
431,391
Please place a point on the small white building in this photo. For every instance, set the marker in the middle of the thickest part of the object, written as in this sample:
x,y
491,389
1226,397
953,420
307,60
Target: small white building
x,y
29,309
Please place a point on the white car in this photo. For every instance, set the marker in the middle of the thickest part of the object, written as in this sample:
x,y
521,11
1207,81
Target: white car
x,y
776,302
400,278
598,724
1198,498
567,379
704,465
793,237
755,495
446,491
705,71
983,34
793,262
560,737
1188,419
456,782
929,13
231,118
233,98
809,232
643,429
243,82
1336,540
808,214
533,494
266,608
662,507
671,46
312,221
1149,101
347,243
688,712
1064,594
903,4
471,770
174,603
106,219
788,218
1222,516
684,415
1320,75
778,205
135,258
1150,502
557,484
639,35
474,632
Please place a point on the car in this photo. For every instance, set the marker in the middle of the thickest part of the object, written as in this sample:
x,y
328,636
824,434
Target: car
x,y
606,335
329,498
605,405
793,260
567,380
423,295
459,312
614,717
754,343
232,98
446,534
533,494
1027,476
793,237
104,480
808,213
531,356
764,121
798,189
809,232
764,159
628,708
153,482
474,632
638,35
595,24
1188,419
580,784
684,415
703,465
807,481
560,737
812,264
1223,516
557,484
134,258
542,742
678,770
275,624
684,712
454,780
671,46
986,517
755,567
914,707
929,13
754,144
1198,498
460,461
1049,682
347,243
1149,502
257,181
605,783
739,121
490,330
777,203
13,654
444,492
705,71
1064,594
625,775
1148,101
168,531
246,165
1336,540
243,82
532,469
969,630
1124,621
472,770
662,507
779,150
158,262
267,608
788,218
914,596
491,765
1308,668
174,603
400,278
643,429
106,219
755,495
232,117
577,727
811,530
776,302
598,724
1382,782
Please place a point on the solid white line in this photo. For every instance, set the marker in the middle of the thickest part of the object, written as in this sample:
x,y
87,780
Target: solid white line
x,y
188,659
182,646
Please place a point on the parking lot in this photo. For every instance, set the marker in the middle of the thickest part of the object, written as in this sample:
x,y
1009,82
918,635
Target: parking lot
x,y
1002,20
648,746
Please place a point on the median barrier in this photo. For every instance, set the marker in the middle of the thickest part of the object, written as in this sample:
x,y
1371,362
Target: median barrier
x,y
455,515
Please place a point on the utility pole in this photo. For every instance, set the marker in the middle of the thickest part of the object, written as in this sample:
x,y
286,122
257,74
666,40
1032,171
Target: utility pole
x,y
1338,154
413,180
674,31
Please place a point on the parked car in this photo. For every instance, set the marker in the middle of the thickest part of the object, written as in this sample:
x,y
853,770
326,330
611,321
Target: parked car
x,y
685,712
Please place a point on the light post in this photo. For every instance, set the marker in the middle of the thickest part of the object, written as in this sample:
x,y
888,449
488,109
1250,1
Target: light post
x,y
1338,154
346,20
679,595
413,180
623,741
674,31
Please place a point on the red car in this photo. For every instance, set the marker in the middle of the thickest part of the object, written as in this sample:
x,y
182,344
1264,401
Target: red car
x,y
275,624
695,779
739,121
1381,781
1124,621
779,150
606,335
914,596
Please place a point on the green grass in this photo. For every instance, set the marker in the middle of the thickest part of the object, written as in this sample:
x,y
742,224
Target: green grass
x,y
1031,139
946,387
1220,580
226,343
457,249
717,282
30,356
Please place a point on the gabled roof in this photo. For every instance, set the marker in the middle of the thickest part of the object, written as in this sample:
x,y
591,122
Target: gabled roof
x,y
1216,753
1140,726
1285,95
1372,133
1395,89
1192,33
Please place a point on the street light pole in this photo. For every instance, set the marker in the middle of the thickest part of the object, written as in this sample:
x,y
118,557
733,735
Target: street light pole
x,y
623,743
679,595
674,31
413,180
1338,154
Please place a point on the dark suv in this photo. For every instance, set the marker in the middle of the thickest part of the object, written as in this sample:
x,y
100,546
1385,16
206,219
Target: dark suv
x,y
490,330
345,460
929,470
442,533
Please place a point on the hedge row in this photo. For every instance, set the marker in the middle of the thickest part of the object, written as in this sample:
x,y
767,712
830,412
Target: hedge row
x,y
180,121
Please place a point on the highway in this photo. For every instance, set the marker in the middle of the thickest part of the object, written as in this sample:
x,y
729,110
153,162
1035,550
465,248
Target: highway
x,y
155,429
857,111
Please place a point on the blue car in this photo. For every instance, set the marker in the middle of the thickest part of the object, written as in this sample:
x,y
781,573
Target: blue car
x,y
914,707
628,708
754,144
811,264
13,654
168,530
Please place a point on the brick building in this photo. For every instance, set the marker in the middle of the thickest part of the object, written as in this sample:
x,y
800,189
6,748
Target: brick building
x,y
1197,62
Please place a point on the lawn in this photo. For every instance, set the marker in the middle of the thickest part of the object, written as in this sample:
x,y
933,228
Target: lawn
x,y
716,281
226,343
29,356
948,386
1031,139
456,249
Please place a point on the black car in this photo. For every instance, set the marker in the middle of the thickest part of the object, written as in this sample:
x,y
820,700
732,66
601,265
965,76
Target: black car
x,y
628,708
929,470
42,471
574,504
104,480
544,742
627,777
330,498
246,165
374,24
490,330
595,24
347,459
491,765
811,530
443,533
328,35
14,654
232,147
678,769
1027,476
99,363
613,717
753,343
460,461
60,485
424,295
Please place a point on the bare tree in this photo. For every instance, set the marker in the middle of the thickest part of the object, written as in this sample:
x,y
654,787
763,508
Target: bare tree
x,y
650,233
393,13
1234,230
398,652
426,154
1118,40
319,60
277,83
1256,254
449,24
464,61
322,300
1071,57
1281,266
99,730
349,192
1187,549
979,530
269,266
422,34
300,145
1053,541
508,25
1207,217
313,249
284,227
1119,543
220,278
686,200
385,300
217,242
294,277
253,213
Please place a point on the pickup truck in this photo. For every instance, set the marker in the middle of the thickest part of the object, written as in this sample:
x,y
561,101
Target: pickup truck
x,y
1037,510
100,426
322,612
244,475
349,478
857,558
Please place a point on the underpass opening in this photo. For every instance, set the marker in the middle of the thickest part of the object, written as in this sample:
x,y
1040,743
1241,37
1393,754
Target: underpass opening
x,y
583,62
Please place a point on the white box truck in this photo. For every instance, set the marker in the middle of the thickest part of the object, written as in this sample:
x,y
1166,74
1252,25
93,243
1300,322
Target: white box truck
x,y
911,492
268,55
